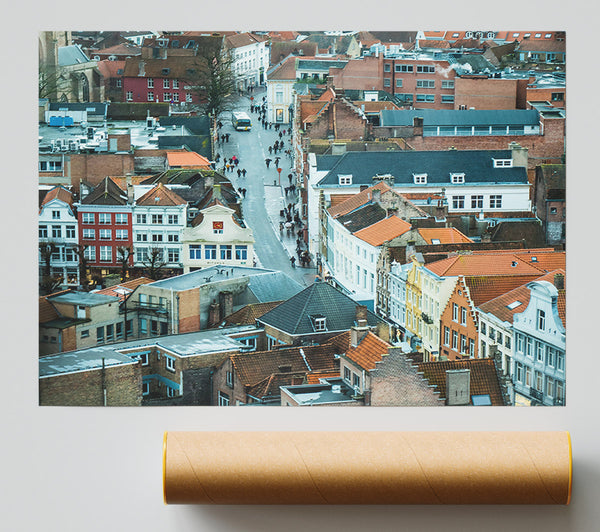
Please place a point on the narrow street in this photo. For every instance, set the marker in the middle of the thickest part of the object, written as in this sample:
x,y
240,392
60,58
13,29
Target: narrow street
x,y
265,195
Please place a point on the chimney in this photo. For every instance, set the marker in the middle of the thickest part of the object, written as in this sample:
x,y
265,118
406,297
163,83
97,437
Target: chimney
x,y
361,315
376,195
142,68
458,387
559,281
129,186
519,154
338,148
213,315
226,303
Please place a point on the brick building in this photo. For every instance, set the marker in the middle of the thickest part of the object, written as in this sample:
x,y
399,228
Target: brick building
x,y
549,196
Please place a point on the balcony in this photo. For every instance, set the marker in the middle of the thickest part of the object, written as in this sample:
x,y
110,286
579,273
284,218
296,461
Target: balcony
x,y
536,394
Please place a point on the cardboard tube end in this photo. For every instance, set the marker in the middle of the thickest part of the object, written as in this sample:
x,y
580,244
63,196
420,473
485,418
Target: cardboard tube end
x,y
164,467
570,467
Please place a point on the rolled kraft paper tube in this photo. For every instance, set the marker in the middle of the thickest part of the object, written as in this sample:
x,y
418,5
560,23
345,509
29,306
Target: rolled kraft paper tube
x,y
367,468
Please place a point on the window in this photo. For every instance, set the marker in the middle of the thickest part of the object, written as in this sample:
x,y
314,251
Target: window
x,y
454,340
143,326
43,231
528,347
426,97
157,237
560,361
170,392
188,97
482,328
425,69
229,378
150,96
539,351
217,228
195,251
70,231
175,83
173,255
355,380
425,84
387,82
100,334
495,201
165,83
399,82
140,218
119,330
89,234
150,83
420,179
241,252
457,178
110,332
463,315
89,253
463,343
169,363
176,97
403,68
85,333
210,252
519,339
446,336
173,219
347,375
503,163
507,342
141,237
122,234
476,202
225,252
527,376
105,234
223,399
492,334
345,179
550,356
320,324
447,84
104,218
455,312
153,326
157,219
166,96
541,320
173,237
105,254
482,350
447,98
56,215
471,347
146,388
558,96
121,218
129,96
458,202
519,371
387,67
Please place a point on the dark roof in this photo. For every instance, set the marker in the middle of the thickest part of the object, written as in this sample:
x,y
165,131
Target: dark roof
x,y
363,217
247,315
484,377
531,231
395,36
294,315
477,165
476,62
554,178
470,117
319,64
107,192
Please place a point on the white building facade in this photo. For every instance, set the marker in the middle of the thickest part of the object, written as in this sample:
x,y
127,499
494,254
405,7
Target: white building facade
x,y
250,59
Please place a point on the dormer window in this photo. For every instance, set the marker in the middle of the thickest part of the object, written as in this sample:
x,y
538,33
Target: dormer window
x,y
457,178
319,322
503,163
420,179
345,179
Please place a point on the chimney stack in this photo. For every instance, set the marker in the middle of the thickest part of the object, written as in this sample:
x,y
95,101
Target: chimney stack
x,y
519,154
559,281
129,186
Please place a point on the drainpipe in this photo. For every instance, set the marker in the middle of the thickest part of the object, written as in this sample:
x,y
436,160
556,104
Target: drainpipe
x,y
103,376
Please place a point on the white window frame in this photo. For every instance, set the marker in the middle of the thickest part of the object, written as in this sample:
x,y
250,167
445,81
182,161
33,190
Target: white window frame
x,y
150,83
345,179
104,218
87,218
420,179
503,163
170,363
457,178
105,253
495,201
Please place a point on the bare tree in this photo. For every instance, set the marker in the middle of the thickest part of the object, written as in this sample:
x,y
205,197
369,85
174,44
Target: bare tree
x,y
123,255
79,250
212,77
154,262
49,283
49,82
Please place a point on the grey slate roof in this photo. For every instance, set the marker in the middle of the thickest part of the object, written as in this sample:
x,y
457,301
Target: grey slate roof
x,y
107,192
293,315
71,55
477,165
316,64
273,286
470,117
363,217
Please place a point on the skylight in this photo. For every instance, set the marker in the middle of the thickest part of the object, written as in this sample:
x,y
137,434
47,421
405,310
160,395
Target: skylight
x,y
513,305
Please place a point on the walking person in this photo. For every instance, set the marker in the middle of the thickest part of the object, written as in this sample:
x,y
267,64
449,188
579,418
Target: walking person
x,y
268,162
293,261
243,172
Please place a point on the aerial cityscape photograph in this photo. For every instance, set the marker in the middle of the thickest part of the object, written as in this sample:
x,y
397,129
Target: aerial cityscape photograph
x,y
302,218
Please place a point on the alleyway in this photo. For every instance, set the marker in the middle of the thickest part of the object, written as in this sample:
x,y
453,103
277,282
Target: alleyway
x,y
265,190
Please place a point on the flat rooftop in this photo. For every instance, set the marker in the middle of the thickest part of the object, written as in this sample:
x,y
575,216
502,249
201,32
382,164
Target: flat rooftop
x,y
86,299
321,394
184,345
212,274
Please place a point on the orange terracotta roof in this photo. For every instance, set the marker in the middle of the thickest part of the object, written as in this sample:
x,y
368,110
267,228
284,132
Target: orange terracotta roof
x,y
60,193
357,200
484,264
484,288
384,230
327,96
160,196
121,181
310,109
189,159
546,261
336,199
368,352
314,376
285,71
47,312
445,235
375,107
422,196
